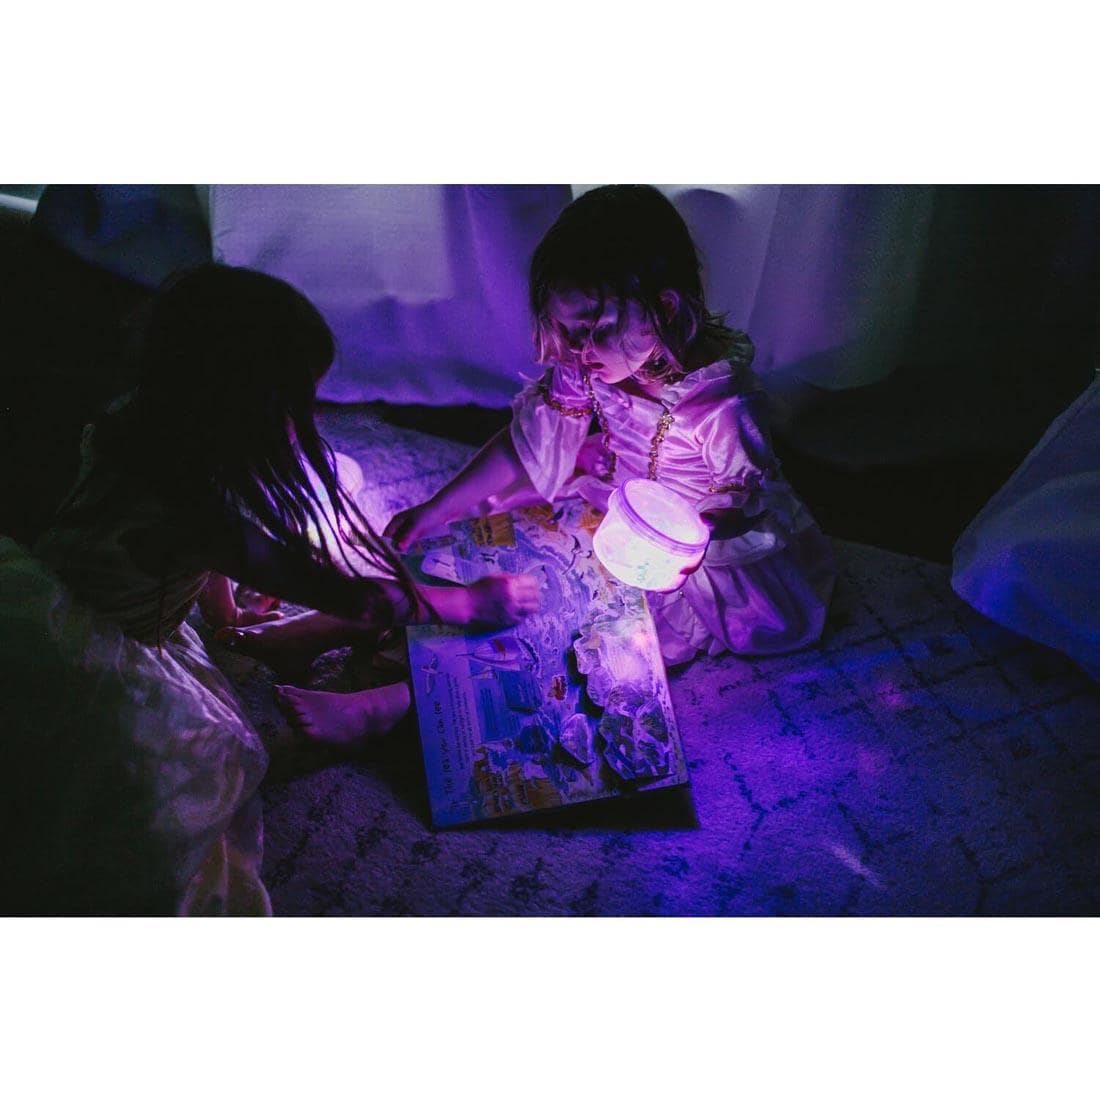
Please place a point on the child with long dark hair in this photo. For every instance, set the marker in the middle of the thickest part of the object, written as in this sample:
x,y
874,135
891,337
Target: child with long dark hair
x,y
209,470
643,380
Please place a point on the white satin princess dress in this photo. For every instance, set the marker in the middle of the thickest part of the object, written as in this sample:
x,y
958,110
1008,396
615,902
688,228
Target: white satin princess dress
x,y
765,591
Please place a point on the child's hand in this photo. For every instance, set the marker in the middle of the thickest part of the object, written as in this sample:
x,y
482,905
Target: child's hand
x,y
247,617
254,607
503,600
711,522
221,609
411,524
495,601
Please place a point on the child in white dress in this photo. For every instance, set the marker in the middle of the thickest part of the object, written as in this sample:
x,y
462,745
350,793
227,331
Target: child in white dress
x,y
642,380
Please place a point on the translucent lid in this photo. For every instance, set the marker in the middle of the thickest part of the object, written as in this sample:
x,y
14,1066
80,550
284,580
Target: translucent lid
x,y
662,516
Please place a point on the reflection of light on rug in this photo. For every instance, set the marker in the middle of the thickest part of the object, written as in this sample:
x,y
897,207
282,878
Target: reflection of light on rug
x,y
853,863
893,695
871,762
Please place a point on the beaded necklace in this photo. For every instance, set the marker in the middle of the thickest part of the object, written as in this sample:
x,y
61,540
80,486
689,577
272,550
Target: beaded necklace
x,y
664,422
751,481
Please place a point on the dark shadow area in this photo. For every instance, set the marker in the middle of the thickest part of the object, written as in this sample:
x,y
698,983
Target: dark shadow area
x,y
63,341
667,810
470,424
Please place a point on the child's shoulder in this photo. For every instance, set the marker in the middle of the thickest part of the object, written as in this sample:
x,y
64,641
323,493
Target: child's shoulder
x,y
725,371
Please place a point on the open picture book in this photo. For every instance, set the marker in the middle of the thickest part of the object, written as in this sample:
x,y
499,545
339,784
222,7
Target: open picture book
x,y
570,705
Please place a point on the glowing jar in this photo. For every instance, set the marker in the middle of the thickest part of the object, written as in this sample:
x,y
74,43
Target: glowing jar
x,y
649,536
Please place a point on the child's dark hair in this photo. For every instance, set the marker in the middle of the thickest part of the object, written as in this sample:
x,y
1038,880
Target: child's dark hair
x,y
228,364
624,242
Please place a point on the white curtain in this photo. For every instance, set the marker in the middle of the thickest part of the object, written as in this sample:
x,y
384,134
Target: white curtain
x,y
425,286
1028,560
892,324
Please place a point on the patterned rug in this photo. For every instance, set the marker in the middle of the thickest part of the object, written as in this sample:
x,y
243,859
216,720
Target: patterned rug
x,y
920,761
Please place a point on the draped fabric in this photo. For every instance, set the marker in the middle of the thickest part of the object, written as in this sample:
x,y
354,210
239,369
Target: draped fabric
x,y
1028,560
424,286
143,232
882,315
822,278
892,323
128,772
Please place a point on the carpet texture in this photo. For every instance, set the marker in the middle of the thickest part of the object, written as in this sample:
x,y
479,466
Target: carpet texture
x,y
920,761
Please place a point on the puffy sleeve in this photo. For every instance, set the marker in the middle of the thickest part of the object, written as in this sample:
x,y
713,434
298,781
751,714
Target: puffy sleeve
x,y
737,450
550,420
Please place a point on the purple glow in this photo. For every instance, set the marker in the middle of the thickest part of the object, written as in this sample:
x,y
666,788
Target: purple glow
x,y
650,536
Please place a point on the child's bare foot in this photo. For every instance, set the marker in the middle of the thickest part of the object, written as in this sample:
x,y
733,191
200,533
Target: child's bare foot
x,y
345,720
289,645
286,645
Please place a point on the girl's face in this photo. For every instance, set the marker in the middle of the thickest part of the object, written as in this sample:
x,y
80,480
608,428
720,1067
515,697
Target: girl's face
x,y
611,341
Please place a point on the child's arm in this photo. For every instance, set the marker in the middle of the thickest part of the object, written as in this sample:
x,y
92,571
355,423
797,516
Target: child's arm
x,y
248,553
499,600
219,606
489,482
216,602
725,523
526,463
